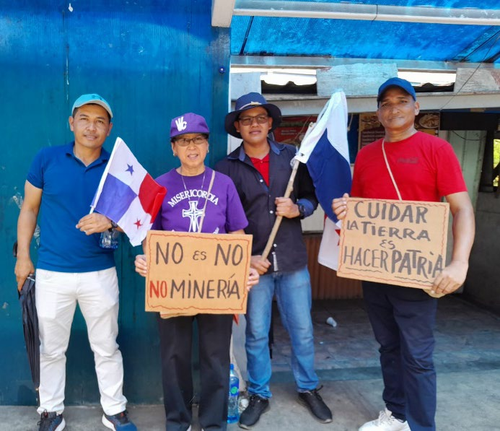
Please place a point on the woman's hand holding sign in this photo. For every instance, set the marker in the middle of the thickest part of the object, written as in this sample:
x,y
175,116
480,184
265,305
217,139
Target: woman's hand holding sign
x,y
253,278
140,265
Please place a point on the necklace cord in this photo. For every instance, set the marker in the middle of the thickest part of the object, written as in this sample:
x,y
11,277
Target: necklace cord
x,y
200,225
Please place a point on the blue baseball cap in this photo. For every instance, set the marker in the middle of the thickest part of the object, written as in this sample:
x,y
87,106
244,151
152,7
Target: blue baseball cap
x,y
188,123
396,82
250,101
93,98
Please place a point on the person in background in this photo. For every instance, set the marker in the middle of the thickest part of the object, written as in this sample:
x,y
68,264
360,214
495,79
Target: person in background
x,y
260,169
415,166
198,200
72,268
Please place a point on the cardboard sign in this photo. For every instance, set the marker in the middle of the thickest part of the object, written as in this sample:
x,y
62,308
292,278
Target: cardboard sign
x,y
191,273
394,242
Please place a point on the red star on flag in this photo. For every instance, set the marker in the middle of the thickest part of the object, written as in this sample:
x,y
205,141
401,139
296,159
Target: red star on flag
x,y
138,224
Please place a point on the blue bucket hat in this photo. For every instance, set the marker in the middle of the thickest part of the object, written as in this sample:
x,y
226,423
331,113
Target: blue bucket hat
x,y
188,123
396,82
94,99
250,101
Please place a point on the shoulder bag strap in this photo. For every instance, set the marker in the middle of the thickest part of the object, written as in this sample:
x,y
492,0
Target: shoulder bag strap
x,y
390,171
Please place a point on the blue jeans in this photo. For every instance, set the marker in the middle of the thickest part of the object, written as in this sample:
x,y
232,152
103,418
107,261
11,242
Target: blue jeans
x,y
403,321
293,293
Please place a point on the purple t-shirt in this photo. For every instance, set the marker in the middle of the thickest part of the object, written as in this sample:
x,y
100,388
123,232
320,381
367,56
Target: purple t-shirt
x,y
183,206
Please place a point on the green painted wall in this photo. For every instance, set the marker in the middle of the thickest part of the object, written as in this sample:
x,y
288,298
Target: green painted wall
x,y
152,60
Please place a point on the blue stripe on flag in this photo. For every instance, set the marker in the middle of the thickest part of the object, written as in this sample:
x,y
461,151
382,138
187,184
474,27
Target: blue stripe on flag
x,y
115,198
331,174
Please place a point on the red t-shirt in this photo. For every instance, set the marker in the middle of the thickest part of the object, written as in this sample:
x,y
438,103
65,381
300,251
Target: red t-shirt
x,y
262,165
424,167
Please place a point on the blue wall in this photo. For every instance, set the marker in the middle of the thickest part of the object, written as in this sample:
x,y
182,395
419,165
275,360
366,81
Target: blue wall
x,y
152,60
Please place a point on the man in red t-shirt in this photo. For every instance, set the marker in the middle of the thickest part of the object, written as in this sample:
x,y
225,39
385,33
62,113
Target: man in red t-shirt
x,y
409,165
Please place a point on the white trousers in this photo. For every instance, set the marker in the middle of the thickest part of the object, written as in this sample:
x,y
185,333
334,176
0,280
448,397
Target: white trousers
x,y
57,294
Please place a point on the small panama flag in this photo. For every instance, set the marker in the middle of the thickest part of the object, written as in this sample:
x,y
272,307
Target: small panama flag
x,y
127,194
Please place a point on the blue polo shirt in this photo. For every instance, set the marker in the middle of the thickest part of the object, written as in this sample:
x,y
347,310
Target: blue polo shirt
x,y
68,187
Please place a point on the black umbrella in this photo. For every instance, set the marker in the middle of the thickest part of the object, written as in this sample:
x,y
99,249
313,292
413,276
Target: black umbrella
x,y
30,326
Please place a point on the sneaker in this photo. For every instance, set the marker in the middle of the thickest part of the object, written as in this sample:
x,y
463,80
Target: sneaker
x,y
119,421
386,422
51,422
316,406
256,406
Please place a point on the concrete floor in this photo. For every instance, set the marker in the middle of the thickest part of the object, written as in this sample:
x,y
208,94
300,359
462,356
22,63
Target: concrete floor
x,y
467,360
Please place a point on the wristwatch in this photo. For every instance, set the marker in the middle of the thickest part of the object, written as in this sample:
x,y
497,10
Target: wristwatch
x,y
302,210
113,224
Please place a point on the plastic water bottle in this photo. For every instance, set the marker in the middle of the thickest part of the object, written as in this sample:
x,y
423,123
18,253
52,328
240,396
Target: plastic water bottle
x,y
331,321
109,239
233,413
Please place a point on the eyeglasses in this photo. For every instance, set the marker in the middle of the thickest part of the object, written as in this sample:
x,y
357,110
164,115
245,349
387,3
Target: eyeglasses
x,y
248,121
183,142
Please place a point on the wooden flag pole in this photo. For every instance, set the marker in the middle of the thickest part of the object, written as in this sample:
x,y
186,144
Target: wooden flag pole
x,y
277,222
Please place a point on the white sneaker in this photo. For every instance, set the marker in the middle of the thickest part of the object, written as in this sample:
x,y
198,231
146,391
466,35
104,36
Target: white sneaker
x,y
385,422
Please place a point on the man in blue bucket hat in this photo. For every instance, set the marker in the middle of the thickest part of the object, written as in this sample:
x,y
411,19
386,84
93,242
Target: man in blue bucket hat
x,y
260,169
72,268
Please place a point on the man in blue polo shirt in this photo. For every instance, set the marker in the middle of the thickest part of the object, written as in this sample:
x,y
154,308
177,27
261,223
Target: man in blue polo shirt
x,y
72,268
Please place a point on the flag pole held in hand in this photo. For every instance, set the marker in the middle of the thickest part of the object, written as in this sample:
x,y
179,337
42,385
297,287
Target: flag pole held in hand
x,y
277,222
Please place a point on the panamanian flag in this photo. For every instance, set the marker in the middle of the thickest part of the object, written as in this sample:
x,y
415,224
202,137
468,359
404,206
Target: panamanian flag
x,y
325,151
127,194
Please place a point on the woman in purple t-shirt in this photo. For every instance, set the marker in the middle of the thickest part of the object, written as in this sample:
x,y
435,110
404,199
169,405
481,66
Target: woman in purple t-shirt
x,y
198,200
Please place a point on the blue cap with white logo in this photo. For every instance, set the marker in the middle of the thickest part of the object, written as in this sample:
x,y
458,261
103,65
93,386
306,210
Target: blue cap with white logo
x,y
92,98
396,82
